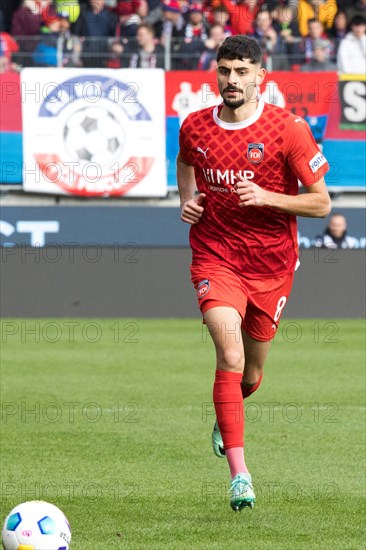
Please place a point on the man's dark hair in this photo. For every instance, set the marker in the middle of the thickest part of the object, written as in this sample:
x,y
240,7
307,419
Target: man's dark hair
x,y
357,20
240,47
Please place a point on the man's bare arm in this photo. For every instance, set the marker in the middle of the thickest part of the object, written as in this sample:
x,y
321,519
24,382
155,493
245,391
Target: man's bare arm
x,y
315,203
189,203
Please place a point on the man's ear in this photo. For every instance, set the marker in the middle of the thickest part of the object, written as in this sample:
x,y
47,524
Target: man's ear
x,y
260,76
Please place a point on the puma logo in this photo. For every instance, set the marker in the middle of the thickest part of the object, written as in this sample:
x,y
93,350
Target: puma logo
x,y
204,152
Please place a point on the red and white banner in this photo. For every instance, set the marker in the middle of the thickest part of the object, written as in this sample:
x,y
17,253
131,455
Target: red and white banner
x,y
94,132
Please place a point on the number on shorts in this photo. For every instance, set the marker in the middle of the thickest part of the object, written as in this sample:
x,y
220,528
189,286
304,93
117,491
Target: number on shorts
x,y
280,305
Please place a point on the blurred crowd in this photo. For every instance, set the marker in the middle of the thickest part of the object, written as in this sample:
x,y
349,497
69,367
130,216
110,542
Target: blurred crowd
x,y
297,35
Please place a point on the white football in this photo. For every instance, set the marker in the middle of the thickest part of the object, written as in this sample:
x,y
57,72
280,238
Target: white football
x,y
94,135
36,525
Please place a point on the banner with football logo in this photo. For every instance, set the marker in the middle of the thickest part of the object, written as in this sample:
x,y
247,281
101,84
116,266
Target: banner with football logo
x,y
94,132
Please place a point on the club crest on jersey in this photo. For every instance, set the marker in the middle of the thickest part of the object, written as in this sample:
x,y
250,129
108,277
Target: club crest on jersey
x,y
255,152
203,288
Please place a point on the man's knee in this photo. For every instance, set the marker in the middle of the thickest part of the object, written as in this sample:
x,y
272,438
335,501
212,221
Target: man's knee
x,y
230,359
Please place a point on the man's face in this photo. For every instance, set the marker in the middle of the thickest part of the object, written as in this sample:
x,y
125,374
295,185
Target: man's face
x,y
263,21
64,24
97,5
320,55
237,80
359,30
143,36
217,34
220,17
315,29
340,21
195,17
337,226
285,15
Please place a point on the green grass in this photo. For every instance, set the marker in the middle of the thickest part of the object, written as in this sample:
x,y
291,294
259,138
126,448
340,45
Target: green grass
x,y
117,433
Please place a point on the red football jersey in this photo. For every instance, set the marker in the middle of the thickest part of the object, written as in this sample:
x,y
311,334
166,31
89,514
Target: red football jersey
x,y
274,148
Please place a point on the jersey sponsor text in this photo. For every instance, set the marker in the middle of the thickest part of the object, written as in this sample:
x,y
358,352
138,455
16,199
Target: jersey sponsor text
x,y
316,162
228,177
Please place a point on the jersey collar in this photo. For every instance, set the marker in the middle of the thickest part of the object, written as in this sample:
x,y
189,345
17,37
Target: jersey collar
x,y
239,125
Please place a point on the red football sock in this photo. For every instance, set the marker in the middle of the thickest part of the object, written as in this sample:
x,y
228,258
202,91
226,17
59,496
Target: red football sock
x,y
228,402
247,390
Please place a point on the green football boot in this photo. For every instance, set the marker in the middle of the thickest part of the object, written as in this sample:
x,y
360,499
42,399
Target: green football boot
x,y
217,443
242,494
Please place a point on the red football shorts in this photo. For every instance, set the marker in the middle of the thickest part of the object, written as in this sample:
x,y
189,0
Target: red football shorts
x,y
260,302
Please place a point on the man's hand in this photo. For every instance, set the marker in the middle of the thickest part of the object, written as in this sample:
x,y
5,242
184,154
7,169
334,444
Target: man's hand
x,y
250,194
192,210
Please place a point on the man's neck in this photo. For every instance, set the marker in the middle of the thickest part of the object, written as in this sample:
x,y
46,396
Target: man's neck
x,y
238,115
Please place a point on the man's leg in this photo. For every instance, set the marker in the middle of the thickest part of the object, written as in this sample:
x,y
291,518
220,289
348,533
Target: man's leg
x,y
255,356
224,325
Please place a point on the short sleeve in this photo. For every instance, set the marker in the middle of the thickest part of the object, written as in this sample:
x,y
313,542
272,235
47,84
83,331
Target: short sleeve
x,y
302,153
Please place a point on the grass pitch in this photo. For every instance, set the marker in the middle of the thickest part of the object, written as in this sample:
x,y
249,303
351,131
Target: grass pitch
x,y
111,421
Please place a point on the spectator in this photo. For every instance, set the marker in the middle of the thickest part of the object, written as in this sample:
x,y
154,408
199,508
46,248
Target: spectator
x,y
94,25
321,10
271,43
131,14
57,47
8,46
27,21
338,30
358,8
242,15
320,60
207,61
195,27
351,57
29,17
147,54
195,33
287,28
221,17
71,46
172,23
306,46
45,53
335,234
170,30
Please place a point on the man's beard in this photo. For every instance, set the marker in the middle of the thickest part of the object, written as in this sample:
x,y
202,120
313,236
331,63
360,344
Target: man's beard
x,y
234,103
